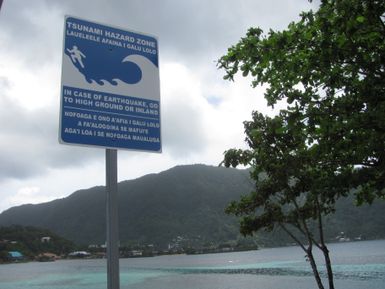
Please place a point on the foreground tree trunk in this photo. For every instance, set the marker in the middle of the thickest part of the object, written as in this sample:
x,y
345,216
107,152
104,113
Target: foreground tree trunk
x,y
309,253
328,264
324,248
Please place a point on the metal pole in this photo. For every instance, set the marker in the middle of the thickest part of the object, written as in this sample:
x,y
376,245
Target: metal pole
x,y
112,219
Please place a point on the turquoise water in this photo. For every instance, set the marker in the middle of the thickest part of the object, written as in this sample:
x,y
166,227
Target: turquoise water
x,y
357,265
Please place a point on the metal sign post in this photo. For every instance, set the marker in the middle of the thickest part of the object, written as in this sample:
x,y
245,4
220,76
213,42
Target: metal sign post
x,y
112,219
110,98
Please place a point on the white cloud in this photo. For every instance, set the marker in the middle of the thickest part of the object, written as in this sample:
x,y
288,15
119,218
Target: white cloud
x,y
184,114
29,195
202,114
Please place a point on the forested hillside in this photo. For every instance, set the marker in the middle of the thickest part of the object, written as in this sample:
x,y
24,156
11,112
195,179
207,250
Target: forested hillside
x,y
186,202
31,242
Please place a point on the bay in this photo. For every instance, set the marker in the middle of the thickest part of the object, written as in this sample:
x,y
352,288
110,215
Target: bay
x,y
357,265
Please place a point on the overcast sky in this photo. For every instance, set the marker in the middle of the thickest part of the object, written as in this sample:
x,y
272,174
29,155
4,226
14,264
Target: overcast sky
x,y
201,113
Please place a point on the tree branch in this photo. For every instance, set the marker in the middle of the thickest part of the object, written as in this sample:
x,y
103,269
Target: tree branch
x,y
293,237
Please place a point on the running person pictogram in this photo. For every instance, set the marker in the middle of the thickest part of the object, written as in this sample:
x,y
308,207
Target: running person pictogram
x,y
76,55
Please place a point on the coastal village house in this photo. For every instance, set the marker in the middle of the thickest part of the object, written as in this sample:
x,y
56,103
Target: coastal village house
x,y
45,239
15,256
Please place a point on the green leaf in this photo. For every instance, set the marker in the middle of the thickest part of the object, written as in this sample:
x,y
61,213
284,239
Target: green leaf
x,y
360,19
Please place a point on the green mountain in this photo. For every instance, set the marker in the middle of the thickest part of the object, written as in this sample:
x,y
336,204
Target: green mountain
x,y
31,242
186,202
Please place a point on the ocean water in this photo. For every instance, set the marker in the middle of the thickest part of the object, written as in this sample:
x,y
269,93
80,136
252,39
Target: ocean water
x,y
357,265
